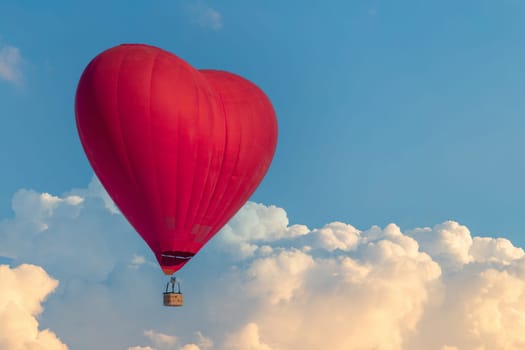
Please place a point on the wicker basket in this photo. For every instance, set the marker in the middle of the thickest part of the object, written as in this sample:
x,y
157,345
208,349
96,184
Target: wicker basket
x,y
173,299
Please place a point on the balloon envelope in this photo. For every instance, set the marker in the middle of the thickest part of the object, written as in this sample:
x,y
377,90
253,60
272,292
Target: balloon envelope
x,y
179,150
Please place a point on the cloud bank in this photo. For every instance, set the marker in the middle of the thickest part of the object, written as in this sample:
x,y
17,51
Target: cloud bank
x,y
22,291
264,284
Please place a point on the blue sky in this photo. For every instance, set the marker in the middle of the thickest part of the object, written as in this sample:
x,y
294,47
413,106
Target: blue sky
x,y
402,112
407,112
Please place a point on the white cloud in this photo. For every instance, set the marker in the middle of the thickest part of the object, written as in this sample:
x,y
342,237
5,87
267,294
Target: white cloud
x,y
36,209
448,242
137,261
306,301
495,312
22,291
279,277
337,235
190,347
10,61
452,245
336,287
247,338
205,343
499,250
480,309
205,16
161,341
56,232
257,223
95,190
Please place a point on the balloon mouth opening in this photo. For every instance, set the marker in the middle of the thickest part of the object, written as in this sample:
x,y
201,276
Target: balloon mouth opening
x,y
171,261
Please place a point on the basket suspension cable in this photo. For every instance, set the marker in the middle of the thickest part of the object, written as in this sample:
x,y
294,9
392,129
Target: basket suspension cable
x,y
173,281
172,298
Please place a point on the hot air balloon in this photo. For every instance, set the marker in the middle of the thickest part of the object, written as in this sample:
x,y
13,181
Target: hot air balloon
x,y
179,150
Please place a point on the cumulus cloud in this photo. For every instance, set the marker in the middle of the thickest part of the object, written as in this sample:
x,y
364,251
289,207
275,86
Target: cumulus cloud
x,y
257,223
160,340
54,232
448,242
309,300
190,347
247,338
10,62
452,245
265,284
22,291
204,342
498,250
205,16
336,235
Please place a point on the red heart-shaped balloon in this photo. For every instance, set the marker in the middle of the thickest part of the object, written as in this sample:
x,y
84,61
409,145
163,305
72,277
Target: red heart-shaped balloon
x,y
179,150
